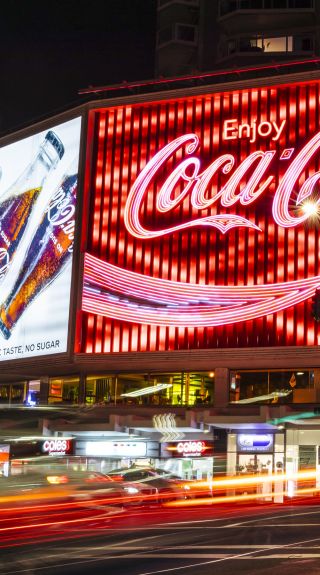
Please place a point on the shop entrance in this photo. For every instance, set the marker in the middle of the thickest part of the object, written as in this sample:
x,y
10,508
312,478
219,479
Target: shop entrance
x,y
255,463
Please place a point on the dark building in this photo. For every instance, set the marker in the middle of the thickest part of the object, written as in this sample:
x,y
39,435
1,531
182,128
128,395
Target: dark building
x,y
201,35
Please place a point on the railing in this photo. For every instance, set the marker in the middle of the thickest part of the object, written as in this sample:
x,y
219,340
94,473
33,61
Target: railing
x,y
228,6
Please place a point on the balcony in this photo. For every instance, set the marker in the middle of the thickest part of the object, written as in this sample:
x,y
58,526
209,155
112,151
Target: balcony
x,y
246,15
265,46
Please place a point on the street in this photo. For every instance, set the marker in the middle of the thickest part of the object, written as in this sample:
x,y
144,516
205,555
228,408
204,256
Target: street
x,y
204,540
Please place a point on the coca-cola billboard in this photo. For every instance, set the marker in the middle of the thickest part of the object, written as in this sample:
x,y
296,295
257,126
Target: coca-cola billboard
x,y
37,222
204,228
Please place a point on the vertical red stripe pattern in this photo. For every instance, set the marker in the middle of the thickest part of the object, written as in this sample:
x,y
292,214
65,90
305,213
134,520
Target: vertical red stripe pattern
x,y
126,138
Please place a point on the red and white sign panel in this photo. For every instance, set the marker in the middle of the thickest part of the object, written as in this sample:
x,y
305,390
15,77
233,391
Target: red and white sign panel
x,y
204,230
187,448
59,446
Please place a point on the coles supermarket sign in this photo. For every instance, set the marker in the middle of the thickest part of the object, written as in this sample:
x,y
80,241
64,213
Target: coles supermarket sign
x,y
209,207
187,448
61,446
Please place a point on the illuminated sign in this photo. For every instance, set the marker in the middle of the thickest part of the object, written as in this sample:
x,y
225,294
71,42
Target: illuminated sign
x,y
116,449
37,225
188,448
255,442
232,130
57,446
228,183
4,453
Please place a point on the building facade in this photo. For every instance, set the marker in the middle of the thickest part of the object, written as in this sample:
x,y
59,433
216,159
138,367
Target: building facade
x,y
159,273
200,35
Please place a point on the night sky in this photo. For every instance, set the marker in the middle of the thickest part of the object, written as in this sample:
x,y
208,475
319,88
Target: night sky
x,y
50,50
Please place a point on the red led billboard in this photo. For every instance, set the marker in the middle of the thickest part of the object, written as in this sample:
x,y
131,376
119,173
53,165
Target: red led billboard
x,y
204,222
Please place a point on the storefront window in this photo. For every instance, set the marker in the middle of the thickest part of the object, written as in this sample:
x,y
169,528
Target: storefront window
x,y
12,393
101,389
64,390
33,392
255,452
250,387
182,388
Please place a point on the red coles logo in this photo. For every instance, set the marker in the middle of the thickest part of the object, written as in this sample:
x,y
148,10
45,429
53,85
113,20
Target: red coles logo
x,y
57,446
189,448
193,447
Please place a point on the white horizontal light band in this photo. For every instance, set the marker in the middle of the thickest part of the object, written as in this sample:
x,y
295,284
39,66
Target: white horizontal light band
x,y
147,390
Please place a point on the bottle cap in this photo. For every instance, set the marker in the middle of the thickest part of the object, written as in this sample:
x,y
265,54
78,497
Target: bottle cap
x,y
56,142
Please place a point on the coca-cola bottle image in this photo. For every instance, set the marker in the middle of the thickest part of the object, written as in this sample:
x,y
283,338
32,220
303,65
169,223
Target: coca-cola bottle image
x,y
48,253
18,201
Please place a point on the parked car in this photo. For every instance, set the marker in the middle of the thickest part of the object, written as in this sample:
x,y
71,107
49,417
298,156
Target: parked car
x,y
160,485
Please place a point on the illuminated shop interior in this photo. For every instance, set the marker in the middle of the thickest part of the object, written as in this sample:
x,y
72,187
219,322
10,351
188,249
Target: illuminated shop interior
x,y
152,389
137,389
271,386
173,388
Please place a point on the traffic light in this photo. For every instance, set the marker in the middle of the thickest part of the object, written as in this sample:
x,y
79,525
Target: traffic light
x,y
316,305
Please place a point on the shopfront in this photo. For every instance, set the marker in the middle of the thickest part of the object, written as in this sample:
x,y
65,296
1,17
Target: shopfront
x,y
105,455
26,453
292,451
303,455
255,452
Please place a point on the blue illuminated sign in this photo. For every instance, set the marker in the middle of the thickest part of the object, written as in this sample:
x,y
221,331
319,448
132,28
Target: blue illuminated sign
x,y
255,442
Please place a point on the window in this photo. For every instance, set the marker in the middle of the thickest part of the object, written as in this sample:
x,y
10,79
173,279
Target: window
x,y
274,44
250,45
186,33
300,4
256,387
12,393
163,3
64,390
136,476
151,389
164,35
303,44
227,6
250,4
281,44
261,44
100,389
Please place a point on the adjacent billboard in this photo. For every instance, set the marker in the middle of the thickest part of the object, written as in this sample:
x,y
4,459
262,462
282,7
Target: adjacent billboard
x,y
204,227
38,194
